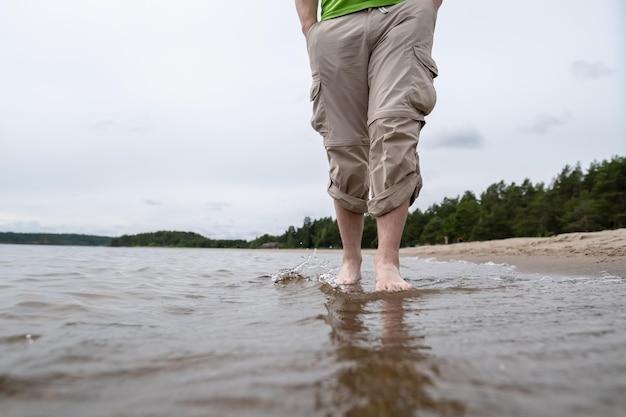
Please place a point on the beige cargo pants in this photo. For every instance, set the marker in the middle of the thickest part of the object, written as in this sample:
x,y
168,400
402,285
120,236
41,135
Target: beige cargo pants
x,y
372,86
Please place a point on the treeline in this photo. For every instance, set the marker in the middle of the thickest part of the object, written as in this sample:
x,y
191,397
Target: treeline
x,y
53,239
575,201
176,240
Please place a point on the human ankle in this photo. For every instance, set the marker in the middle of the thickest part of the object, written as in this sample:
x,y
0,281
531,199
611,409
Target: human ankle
x,y
387,261
349,273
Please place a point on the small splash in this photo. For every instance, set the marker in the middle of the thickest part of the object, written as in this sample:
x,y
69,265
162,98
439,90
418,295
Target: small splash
x,y
21,338
612,278
310,269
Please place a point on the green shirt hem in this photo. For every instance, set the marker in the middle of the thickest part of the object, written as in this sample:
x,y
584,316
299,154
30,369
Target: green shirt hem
x,y
356,8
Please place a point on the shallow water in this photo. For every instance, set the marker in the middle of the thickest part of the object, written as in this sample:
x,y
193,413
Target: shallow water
x,y
186,332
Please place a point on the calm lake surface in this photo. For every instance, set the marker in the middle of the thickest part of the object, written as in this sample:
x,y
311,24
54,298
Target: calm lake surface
x,y
189,332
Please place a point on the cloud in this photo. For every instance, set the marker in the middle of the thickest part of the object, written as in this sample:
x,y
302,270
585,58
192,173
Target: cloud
x,y
469,138
216,206
590,70
543,123
30,226
133,125
104,125
150,202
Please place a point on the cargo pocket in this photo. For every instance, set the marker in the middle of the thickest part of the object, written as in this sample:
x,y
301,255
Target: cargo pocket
x,y
319,119
423,95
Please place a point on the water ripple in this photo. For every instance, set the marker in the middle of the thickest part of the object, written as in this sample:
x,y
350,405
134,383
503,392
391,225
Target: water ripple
x,y
105,332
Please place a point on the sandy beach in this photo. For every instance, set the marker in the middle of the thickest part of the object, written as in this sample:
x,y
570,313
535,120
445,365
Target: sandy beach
x,y
594,253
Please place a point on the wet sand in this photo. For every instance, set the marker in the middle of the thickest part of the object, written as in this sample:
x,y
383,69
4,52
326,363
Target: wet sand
x,y
594,253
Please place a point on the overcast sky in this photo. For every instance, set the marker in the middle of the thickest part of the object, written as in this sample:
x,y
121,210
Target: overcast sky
x,y
130,116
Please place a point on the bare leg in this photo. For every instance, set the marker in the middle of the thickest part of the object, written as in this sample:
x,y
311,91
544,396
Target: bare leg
x,y
390,227
351,230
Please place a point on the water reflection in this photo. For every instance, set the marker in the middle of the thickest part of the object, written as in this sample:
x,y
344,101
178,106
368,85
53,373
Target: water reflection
x,y
384,368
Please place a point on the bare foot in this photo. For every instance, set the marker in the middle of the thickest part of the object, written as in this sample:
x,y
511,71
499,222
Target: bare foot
x,y
388,278
350,273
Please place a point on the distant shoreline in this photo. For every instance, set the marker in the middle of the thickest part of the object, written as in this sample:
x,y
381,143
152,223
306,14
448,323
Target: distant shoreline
x,y
53,239
583,253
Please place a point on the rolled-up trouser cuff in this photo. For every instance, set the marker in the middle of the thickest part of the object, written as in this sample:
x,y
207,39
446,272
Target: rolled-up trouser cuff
x,y
394,163
394,197
354,204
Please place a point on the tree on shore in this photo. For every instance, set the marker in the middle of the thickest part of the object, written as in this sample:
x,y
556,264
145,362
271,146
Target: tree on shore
x,y
173,239
575,201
